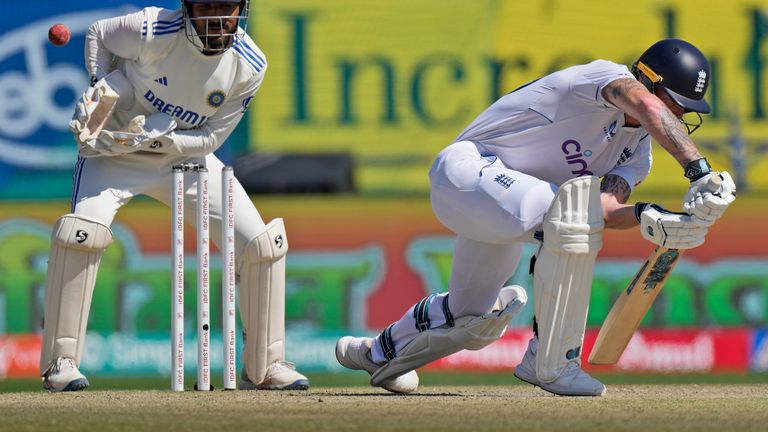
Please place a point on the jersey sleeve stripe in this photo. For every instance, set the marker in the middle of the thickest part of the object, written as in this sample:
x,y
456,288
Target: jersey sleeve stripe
x,y
249,55
177,20
255,56
169,31
159,29
76,181
159,25
239,49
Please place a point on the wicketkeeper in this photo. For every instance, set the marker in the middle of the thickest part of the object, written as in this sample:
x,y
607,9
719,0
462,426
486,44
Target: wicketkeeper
x,y
554,162
167,87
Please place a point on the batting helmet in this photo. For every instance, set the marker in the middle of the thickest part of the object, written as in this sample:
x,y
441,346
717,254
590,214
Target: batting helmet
x,y
680,69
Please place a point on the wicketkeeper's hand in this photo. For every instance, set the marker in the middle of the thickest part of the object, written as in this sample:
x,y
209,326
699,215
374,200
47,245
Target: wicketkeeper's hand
x,y
107,145
97,104
137,135
706,205
142,129
92,110
669,229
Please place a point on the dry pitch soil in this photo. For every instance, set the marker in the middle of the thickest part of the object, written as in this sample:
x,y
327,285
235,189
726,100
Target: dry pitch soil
x,y
704,407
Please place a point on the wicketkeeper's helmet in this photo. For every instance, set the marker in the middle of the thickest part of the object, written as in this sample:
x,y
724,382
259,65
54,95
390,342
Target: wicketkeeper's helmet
x,y
197,38
680,69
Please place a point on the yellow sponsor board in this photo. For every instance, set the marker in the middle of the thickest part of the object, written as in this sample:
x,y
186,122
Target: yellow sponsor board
x,y
393,82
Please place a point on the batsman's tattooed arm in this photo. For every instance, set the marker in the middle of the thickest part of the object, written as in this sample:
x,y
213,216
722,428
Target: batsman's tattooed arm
x,y
652,113
616,186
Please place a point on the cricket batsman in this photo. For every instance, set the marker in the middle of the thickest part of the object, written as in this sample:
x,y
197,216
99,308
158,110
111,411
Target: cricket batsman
x,y
554,163
167,87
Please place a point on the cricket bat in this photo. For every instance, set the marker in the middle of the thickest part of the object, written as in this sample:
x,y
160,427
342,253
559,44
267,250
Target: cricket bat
x,y
626,314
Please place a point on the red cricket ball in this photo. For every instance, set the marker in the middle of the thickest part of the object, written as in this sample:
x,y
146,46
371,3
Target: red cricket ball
x,y
59,34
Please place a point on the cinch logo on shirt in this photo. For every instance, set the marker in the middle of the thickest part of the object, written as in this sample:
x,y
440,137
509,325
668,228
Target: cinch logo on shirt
x,y
574,156
182,114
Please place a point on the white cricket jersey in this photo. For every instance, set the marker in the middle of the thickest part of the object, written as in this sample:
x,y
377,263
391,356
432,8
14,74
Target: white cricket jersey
x,y
206,95
560,127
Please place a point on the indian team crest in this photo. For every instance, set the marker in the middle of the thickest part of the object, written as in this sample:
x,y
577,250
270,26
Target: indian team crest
x,y
216,98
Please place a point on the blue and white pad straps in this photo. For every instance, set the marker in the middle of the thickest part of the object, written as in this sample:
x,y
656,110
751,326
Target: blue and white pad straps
x,y
447,313
421,313
428,313
386,343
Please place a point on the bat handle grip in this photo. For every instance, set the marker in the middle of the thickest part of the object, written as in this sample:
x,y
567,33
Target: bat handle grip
x,y
714,183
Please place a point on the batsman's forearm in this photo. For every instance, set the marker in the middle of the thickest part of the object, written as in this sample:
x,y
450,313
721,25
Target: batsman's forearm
x,y
622,217
669,132
616,214
666,129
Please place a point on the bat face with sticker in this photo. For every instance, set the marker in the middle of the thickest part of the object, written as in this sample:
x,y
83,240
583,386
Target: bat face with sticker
x,y
635,301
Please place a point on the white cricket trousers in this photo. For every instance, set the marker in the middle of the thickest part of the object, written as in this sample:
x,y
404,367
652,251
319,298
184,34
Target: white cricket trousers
x,y
493,210
102,185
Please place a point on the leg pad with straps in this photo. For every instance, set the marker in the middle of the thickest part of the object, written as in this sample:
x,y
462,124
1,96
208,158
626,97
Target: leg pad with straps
x,y
467,332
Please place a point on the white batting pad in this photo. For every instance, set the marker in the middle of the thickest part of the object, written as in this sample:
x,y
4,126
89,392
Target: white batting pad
x,y
565,263
77,243
469,332
262,300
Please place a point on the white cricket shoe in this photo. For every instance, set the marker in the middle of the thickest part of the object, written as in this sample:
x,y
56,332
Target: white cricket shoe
x,y
63,375
572,382
355,353
281,375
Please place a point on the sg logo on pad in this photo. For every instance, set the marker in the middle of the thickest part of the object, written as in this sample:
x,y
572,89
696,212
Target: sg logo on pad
x,y
81,236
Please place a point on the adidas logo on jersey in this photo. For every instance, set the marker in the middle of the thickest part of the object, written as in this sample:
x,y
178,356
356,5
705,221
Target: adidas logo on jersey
x,y
162,81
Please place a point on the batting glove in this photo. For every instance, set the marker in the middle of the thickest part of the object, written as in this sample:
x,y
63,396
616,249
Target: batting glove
x,y
708,206
669,229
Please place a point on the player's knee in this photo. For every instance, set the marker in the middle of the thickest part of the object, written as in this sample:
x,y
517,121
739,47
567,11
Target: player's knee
x,y
574,221
269,246
75,231
535,203
458,167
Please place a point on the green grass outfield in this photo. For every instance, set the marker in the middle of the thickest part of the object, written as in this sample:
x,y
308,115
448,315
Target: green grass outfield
x,y
443,403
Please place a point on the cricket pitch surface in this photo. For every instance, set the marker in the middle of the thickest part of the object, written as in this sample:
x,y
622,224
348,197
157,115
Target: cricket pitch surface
x,y
681,407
